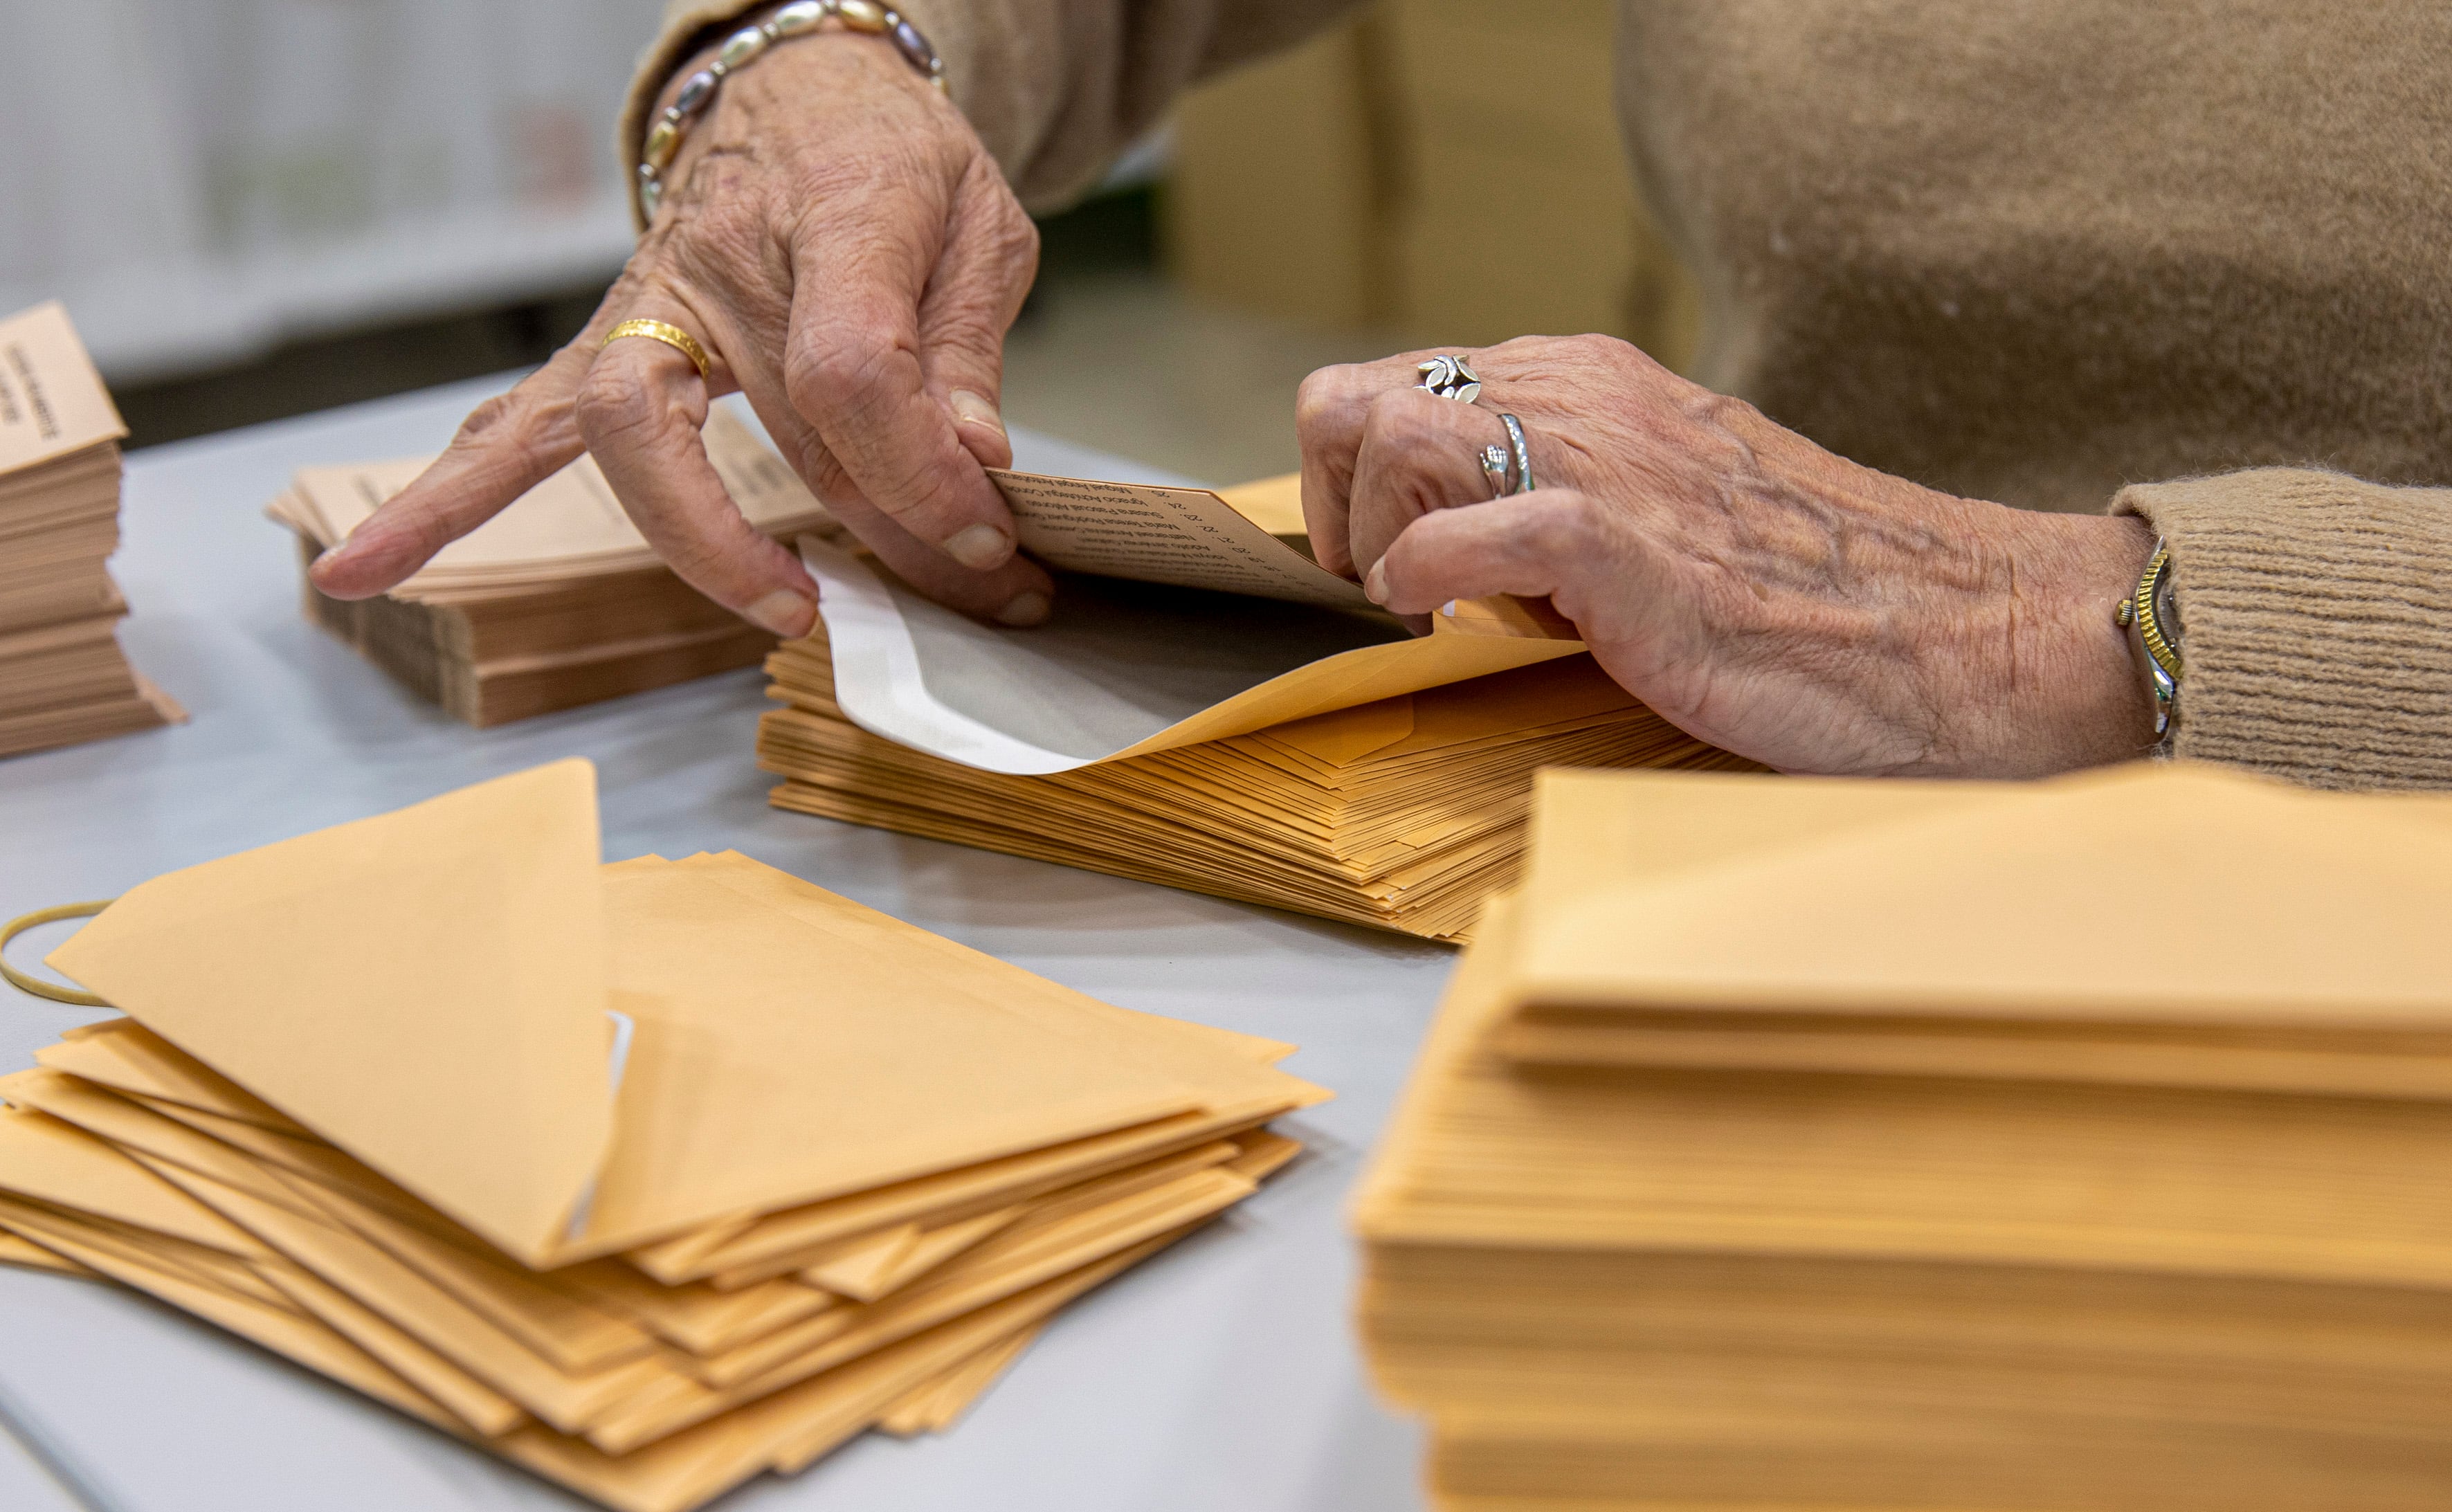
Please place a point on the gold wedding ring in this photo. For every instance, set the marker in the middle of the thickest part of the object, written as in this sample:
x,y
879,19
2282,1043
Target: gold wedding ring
x,y
672,336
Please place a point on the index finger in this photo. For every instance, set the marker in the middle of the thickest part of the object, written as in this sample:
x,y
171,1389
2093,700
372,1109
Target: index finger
x,y
1331,412
508,445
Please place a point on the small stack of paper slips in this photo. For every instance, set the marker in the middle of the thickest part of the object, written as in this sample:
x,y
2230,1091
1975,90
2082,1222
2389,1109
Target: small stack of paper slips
x,y
556,601
63,678
1864,1146
1404,814
649,1177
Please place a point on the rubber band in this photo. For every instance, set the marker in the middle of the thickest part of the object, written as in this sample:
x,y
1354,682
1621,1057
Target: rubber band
x,y
35,984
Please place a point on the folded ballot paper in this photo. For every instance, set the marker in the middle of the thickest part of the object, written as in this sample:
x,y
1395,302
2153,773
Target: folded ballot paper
x,y
556,601
1867,1146
1209,708
649,1177
63,677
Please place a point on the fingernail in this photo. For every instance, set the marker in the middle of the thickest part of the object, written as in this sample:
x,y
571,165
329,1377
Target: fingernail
x,y
976,409
322,566
785,613
979,546
1374,585
1025,608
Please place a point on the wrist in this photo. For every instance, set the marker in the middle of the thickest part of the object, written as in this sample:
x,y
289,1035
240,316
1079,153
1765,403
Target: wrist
x,y
700,52
729,58
2064,690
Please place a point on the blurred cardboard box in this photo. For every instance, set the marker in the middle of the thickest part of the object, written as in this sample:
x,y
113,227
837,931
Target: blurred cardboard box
x,y
1450,170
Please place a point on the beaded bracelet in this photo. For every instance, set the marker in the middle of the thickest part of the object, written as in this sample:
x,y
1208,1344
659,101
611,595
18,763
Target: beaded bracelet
x,y
797,19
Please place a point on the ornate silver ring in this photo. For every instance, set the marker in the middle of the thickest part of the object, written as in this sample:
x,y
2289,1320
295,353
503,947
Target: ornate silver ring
x,y
1524,483
1451,377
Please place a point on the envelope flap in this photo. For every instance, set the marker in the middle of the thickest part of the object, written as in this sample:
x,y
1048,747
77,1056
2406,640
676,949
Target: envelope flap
x,y
425,989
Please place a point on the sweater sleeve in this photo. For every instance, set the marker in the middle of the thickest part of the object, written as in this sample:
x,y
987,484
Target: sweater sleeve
x,y
1055,88
2317,623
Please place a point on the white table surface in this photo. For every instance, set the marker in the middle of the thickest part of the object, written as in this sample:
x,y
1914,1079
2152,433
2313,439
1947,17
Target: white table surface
x,y
1220,1377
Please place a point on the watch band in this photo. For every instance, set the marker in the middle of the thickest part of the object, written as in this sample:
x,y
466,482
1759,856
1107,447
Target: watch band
x,y
2151,617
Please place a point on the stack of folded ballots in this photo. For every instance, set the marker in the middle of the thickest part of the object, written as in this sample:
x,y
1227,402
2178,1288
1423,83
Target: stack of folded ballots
x,y
1282,743
555,602
1845,1146
649,1177
63,678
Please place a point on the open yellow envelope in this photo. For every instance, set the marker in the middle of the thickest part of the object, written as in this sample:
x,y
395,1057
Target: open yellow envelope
x,y
426,988
649,1176
1206,707
573,1060
1191,621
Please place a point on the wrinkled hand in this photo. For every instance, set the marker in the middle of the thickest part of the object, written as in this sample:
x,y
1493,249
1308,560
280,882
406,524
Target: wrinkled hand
x,y
1763,593
850,257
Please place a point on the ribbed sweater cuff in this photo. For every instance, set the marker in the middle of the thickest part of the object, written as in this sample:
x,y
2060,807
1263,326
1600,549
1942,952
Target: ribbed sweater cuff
x,y
2318,615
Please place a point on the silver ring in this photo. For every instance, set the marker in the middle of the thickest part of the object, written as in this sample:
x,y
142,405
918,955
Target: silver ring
x,y
1524,483
1450,378
1493,466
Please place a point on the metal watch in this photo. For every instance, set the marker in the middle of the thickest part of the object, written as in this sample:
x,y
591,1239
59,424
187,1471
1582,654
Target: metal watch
x,y
2151,617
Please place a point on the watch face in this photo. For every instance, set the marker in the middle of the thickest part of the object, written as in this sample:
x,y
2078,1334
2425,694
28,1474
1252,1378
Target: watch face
x,y
2167,607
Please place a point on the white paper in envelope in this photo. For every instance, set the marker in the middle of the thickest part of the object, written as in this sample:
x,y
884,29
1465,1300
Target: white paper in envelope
x,y
1183,621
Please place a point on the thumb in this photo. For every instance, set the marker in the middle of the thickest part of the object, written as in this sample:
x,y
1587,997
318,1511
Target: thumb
x,y
990,258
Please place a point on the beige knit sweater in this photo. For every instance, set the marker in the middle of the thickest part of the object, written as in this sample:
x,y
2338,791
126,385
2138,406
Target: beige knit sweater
x,y
2191,262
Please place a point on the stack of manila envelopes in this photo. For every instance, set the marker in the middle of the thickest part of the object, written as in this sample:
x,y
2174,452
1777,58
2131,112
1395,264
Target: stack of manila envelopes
x,y
1228,718
554,603
63,678
1857,1145
649,1177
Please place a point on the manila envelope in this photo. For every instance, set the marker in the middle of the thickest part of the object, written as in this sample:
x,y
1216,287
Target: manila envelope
x,y
426,988
47,1161
1124,671
2285,941
435,991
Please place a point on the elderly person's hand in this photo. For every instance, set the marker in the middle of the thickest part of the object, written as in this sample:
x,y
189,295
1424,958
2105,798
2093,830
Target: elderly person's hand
x,y
1765,595
850,257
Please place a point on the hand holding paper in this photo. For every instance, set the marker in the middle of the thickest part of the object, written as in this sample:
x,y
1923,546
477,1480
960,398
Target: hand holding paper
x,y
1300,749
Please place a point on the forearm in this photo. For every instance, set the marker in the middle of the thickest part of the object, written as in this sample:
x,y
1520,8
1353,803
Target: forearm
x,y
1055,87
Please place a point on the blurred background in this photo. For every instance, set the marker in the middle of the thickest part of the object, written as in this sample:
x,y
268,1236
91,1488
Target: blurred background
x,y
262,207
